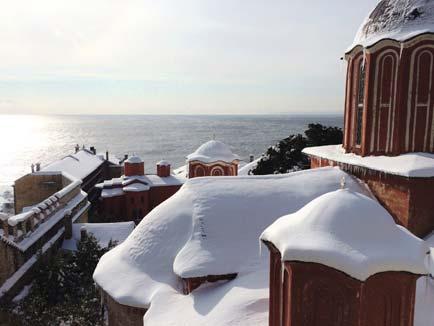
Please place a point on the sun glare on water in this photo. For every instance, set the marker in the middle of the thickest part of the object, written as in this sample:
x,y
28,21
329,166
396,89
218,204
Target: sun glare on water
x,y
19,135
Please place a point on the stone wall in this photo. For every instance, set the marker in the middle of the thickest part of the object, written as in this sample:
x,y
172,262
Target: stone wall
x,y
34,188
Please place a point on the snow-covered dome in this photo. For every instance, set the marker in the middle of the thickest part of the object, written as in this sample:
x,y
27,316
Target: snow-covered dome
x,y
349,232
213,151
134,160
399,20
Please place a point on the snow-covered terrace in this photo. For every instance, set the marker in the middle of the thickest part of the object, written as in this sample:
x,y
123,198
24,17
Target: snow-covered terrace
x,y
103,232
411,165
23,230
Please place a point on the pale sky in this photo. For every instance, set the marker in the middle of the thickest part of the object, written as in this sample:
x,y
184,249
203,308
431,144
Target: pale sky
x,y
175,56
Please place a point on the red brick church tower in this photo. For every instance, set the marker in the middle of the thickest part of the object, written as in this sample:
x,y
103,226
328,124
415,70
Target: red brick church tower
x,y
213,158
389,112
390,93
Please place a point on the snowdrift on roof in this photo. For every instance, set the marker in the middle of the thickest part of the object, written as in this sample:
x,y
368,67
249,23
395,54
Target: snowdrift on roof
x,y
413,165
210,226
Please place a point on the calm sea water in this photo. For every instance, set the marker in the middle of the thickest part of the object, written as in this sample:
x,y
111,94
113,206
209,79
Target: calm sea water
x,y
29,139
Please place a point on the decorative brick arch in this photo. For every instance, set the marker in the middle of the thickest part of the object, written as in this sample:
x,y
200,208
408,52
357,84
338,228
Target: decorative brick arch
x,y
217,171
199,171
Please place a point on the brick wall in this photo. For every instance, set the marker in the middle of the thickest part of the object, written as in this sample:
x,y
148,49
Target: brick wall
x,y
408,200
122,315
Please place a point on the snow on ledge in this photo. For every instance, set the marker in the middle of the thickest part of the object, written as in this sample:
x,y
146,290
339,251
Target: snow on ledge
x,y
412,165
349,232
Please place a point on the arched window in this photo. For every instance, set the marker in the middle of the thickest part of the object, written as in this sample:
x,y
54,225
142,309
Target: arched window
x,y
360,102
421,104
385,84
217,171
199,171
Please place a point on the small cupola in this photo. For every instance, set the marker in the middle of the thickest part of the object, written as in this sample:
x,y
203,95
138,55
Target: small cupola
x,y
214,158
342,260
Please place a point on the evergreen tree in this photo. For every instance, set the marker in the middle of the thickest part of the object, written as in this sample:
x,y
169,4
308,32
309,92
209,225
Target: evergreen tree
x,y
287,155
63,291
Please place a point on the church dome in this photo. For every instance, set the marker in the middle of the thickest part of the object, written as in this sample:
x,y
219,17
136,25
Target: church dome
x,y
349,232
213,151
399,20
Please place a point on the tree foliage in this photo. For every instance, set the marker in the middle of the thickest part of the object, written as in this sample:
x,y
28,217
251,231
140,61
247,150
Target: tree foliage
x,y
287,155
63,291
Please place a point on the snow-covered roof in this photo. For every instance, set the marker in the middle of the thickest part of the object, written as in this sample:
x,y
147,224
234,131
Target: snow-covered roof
x,y
103,232
134,160
207,228
163,163
151,180
78,165
136,187
398,20
348,232
213,151
415,165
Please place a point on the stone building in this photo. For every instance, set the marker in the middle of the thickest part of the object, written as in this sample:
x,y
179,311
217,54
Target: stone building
x,y
52,203
213,158
133,195
389,111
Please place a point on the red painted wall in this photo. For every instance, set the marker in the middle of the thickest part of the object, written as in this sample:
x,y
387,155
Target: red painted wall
x,y
198,169
317,295
133,206
398,110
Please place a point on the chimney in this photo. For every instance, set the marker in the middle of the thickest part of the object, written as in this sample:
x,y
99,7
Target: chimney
x,y
32,167
251,158
93,150
163,169
38,167
83,233
67,222
106,155
77,148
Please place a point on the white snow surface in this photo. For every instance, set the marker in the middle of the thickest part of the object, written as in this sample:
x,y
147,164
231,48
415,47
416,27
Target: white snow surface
x,y
103,232
213,151
399,20
246,169
349,232
413,165
134,160
210,226
78,165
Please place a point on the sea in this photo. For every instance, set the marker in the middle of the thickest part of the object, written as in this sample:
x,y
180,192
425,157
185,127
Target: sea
x,y
27,139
